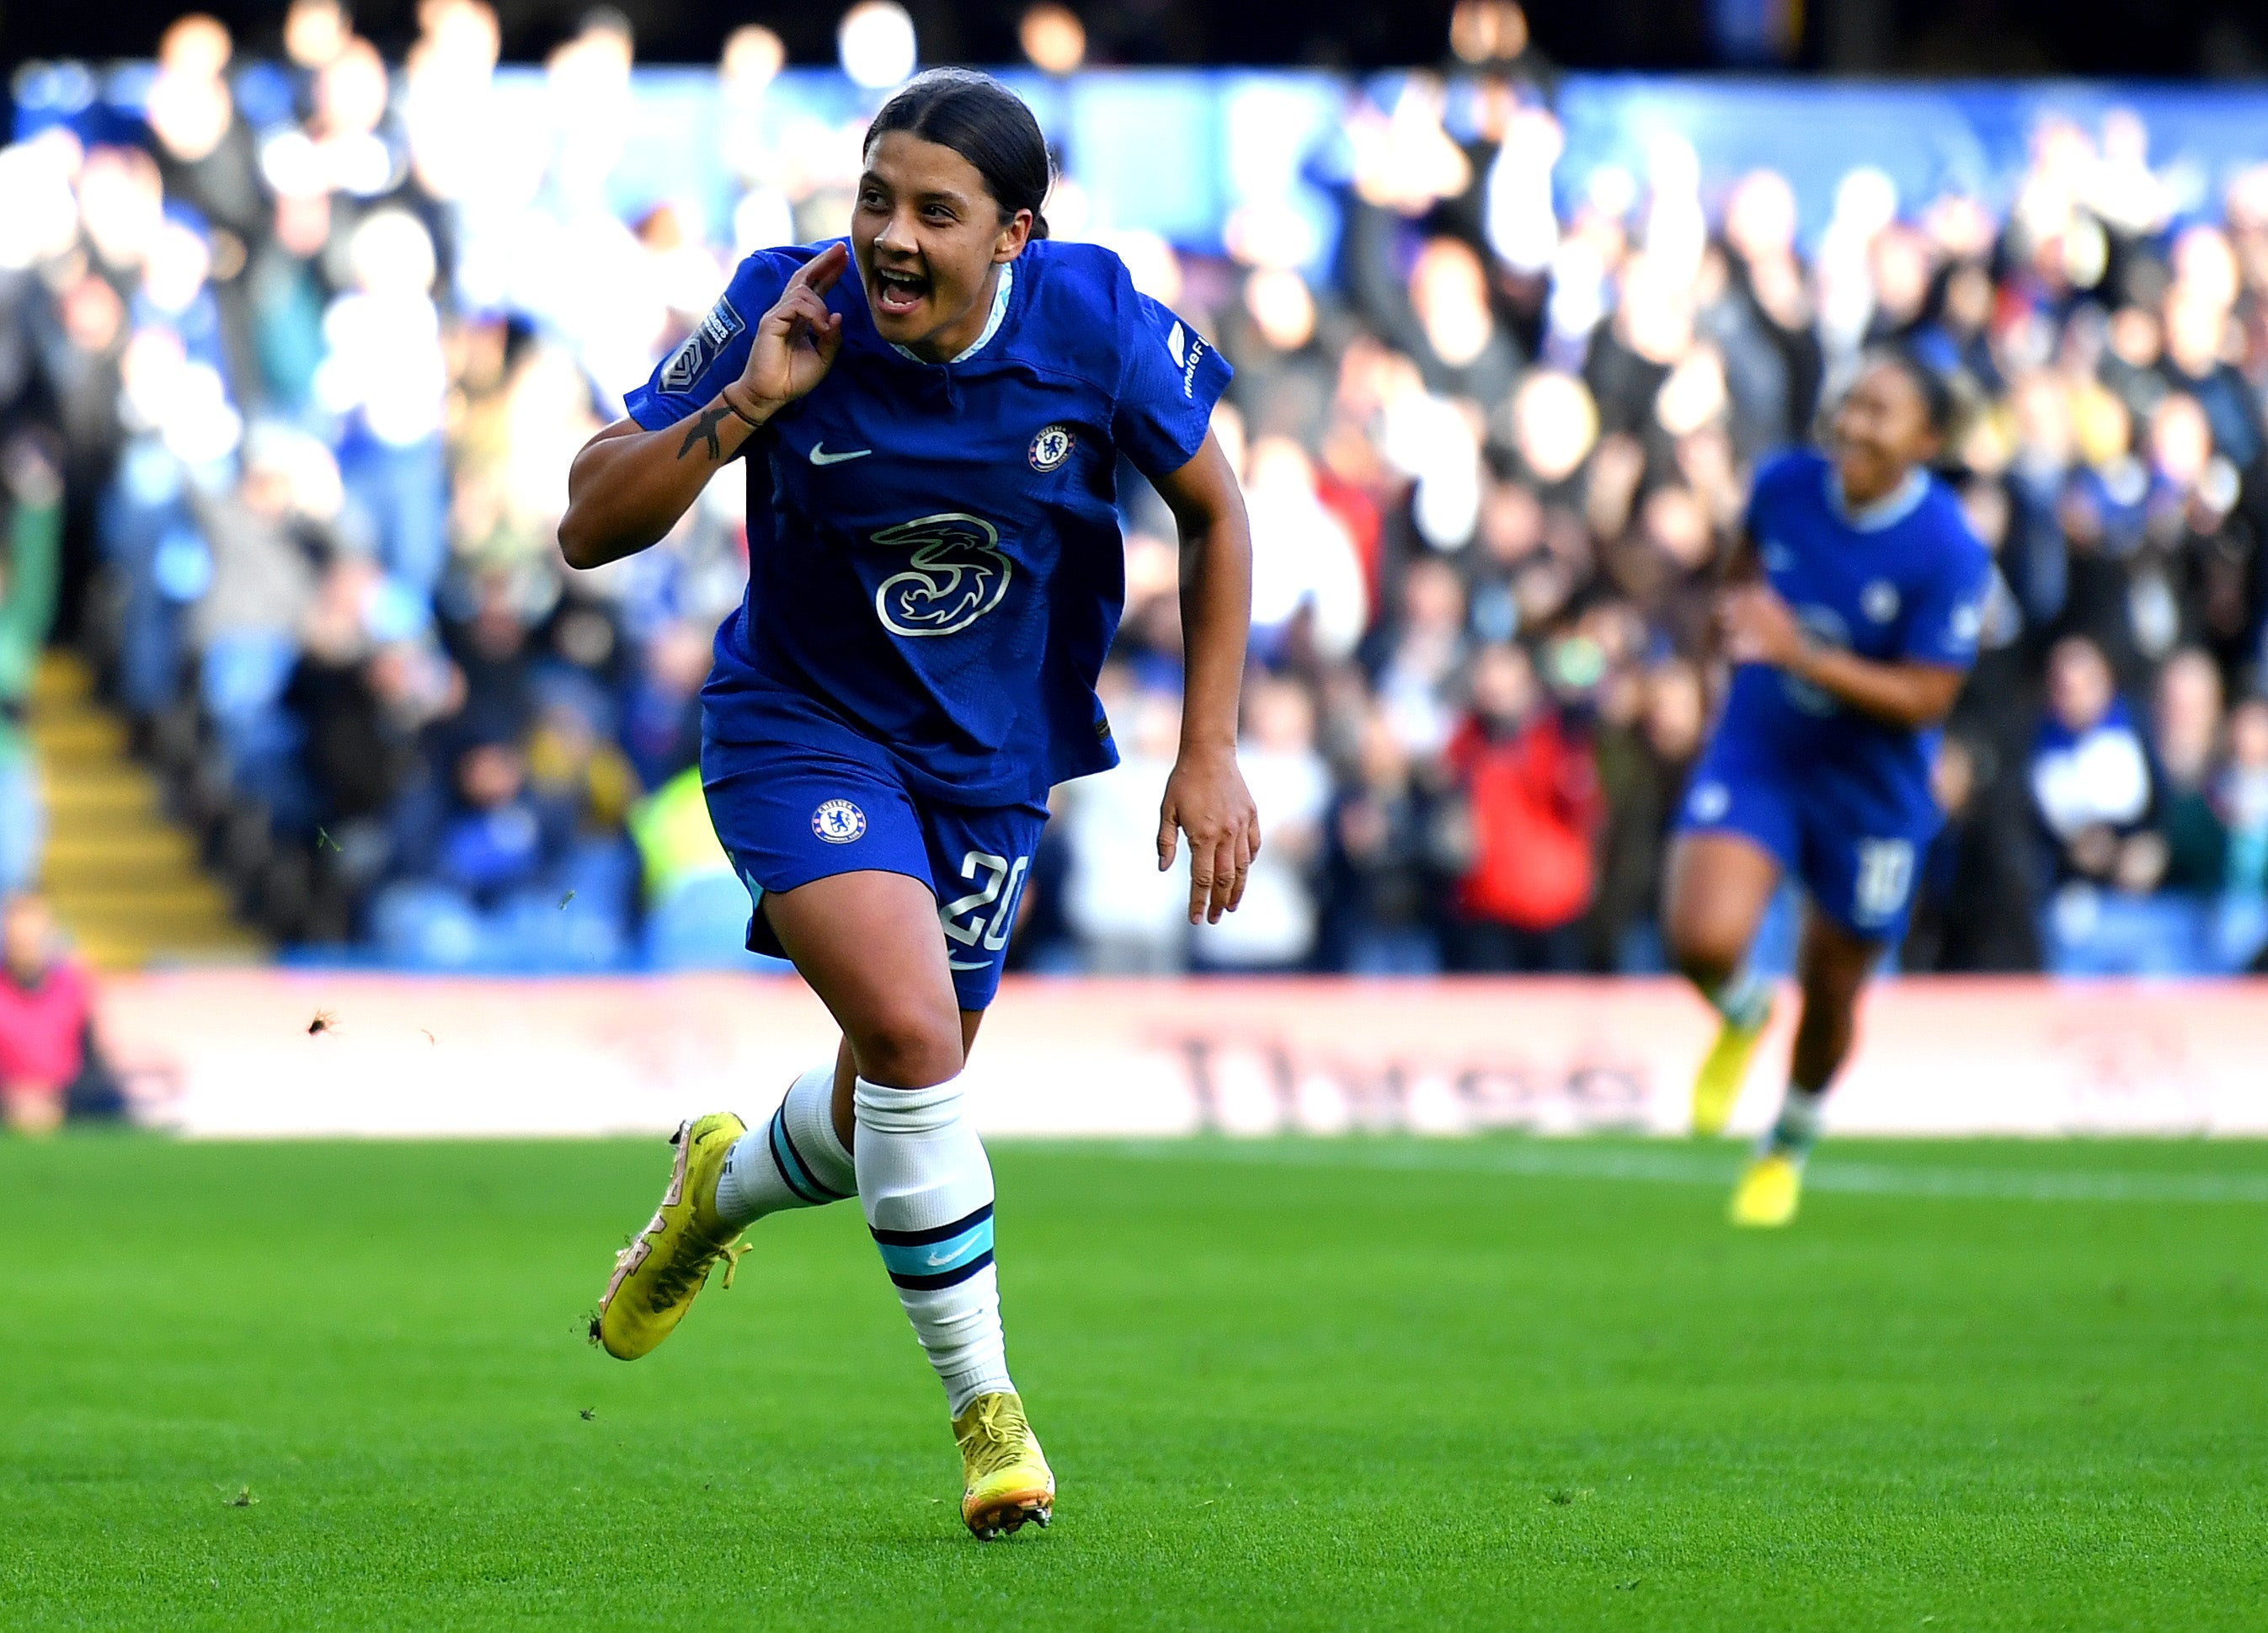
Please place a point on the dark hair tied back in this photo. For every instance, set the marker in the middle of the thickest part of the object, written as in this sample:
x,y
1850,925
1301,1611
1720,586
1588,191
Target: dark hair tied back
x,y
1941,398
984,121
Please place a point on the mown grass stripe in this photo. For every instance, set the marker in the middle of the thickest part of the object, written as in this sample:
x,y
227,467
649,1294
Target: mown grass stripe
x,y
1579,1160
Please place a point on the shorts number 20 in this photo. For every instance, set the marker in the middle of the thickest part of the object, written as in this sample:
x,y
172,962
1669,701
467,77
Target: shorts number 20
x,y
1002,883
1885,874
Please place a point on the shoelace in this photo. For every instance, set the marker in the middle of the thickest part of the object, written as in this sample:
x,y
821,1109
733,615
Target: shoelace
x,y
997,1437
678,1277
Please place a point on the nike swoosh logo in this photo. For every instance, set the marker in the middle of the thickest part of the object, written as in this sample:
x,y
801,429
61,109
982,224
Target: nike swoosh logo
x,y
959,964
820,456
937,1259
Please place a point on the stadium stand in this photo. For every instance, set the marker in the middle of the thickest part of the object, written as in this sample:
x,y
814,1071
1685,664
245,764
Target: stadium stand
x,y
311,342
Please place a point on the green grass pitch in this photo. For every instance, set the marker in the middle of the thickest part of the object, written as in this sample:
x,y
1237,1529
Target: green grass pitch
x,y
1360,1383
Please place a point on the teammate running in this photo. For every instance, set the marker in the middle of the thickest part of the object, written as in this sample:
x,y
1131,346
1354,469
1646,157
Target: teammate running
x,y
1850,646
935,573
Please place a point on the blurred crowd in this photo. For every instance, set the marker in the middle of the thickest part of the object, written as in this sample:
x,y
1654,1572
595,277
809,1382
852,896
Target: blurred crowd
x,y
312,352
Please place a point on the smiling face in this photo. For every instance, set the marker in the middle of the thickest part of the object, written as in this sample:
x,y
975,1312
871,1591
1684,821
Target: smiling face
x,y
927,234
1881,431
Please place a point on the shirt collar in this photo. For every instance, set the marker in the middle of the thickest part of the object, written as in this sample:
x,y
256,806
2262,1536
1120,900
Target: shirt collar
x,y
1007,281
1887,512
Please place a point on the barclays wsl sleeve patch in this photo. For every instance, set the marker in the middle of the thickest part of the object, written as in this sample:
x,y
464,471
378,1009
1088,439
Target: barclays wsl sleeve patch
x,y
1187,348
702,347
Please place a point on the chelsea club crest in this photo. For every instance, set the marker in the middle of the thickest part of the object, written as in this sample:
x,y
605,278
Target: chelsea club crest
x,y
1051,447
838,821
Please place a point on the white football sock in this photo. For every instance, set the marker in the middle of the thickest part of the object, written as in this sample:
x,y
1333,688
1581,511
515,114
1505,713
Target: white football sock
x,y
1796,1130
1743,998
927,1190
791,1160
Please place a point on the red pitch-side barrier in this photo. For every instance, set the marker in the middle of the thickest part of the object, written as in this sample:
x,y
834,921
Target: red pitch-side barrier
x,y
232,1054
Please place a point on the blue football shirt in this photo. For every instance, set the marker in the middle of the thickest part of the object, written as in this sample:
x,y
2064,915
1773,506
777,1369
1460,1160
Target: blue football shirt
x,y
934,557
1902,581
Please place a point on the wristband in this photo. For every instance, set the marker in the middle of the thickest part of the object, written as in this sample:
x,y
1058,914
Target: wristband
x,y
725,397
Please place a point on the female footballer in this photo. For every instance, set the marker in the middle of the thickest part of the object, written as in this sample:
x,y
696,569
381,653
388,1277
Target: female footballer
x,y
1851,630
935,573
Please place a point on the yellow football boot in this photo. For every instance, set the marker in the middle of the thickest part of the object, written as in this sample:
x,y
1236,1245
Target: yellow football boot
x,y
658,1276
1769,1190
1006,1477
1717,1086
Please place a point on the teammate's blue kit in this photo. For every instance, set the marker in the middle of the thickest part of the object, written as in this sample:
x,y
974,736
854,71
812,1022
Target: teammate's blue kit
x,y
1841,798
935,574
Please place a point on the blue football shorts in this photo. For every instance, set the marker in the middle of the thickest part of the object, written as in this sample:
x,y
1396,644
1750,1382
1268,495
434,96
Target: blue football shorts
x,y
1856,859
791,813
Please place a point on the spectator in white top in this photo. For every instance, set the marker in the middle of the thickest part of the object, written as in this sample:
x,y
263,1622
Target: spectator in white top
x,y
1130,919
387,380
1302,561
2090,778
1274,931
2243,798
1415,681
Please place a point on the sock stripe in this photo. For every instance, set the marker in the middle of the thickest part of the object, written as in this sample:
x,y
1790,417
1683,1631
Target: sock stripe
x,y
943,1278
919,1159
791,1166
1744,999
941,1256
1796,1130
931,1234
787,1135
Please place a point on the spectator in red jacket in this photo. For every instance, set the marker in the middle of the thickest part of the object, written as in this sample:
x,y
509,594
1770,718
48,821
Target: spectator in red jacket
x,y
1531,802
45,1006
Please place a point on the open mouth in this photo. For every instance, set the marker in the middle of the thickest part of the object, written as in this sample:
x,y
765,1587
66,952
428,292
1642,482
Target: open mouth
x,y
897,293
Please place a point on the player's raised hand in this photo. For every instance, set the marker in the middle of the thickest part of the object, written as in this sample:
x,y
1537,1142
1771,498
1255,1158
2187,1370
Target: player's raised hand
x,y
796,342
1758,626
1206,798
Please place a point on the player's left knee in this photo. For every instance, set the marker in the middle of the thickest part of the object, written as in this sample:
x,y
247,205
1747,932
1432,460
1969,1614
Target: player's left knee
x,y
1833,985
1705,954
908,1046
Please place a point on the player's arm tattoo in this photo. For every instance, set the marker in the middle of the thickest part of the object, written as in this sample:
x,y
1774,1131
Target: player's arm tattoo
x,y
705,429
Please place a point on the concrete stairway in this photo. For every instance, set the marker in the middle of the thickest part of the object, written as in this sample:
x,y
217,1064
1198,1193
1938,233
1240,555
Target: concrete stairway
x,y
122,879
